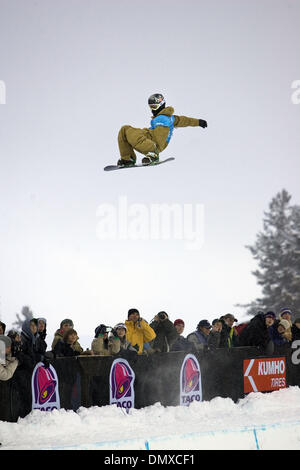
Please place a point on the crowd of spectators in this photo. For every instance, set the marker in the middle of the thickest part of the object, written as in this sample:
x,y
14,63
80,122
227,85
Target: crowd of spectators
x,y
270,333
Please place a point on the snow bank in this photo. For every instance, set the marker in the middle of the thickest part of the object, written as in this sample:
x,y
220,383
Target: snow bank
x,y
259,421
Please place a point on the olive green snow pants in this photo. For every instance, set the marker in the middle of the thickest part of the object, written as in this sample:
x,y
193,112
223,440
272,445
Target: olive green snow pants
x,y
132,138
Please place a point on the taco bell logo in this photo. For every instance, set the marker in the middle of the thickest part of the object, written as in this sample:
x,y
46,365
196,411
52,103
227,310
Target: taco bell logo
x,y
121,381
45,395
190,381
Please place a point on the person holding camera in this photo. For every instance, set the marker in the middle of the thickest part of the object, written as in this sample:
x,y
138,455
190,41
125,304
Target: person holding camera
x,y
106,341
139,331
166,333
7,369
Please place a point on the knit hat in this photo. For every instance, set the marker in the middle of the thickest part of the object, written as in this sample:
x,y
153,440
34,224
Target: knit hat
x,y
285,324
132,310
67,320
285,310
178,322
6,340
270,315
120,325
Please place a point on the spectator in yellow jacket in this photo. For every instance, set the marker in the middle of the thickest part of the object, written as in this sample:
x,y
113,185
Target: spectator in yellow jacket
x,y
138,330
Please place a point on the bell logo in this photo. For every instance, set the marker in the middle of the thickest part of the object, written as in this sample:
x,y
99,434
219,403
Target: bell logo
x,y
121,379
190,381
45,394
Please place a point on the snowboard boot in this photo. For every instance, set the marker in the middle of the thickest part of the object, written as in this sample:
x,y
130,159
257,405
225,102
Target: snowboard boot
x,y
130,162
150,158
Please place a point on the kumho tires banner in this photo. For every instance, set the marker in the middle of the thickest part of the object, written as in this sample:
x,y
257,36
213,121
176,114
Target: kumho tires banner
x,y
265,374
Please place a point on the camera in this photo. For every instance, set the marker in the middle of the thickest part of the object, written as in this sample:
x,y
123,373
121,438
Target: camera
x,y
162,315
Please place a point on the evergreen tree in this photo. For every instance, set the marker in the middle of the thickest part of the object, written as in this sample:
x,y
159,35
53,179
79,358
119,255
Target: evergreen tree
x,y
277,250
27,314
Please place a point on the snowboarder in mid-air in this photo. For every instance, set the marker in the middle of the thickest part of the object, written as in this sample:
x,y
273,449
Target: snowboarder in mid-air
x,y
154,140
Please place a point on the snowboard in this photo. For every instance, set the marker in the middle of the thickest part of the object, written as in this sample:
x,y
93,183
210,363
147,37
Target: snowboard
x,y
116,167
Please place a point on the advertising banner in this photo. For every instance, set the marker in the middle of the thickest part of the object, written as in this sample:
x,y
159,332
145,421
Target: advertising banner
x,y
44,386
266,374
121,380
190,381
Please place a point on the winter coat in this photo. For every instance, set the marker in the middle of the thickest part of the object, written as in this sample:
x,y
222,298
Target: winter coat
x,y
199,340
277,338
227,337
59,336
160,133
138,335
182,344
166,335
7,370
295,333
62,349
32,347
214,339
125,344
256,334
105,347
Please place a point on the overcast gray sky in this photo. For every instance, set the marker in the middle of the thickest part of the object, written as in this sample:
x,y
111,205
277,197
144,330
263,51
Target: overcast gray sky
x,y
75,71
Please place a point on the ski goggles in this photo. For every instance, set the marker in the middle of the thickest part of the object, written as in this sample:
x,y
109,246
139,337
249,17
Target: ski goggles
x,y
155,106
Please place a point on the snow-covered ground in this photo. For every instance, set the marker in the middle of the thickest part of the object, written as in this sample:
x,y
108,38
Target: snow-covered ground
x,y
259,421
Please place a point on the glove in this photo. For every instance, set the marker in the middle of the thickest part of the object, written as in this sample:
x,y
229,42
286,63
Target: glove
x,y
114,333
101,329
202,123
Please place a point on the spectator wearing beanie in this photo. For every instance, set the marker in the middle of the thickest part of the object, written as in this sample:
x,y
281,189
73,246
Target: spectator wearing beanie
x,y
179,325
120,331
138,331
286,314
65,347
181,343
166,333
106,341
281,336
65,325
7,370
